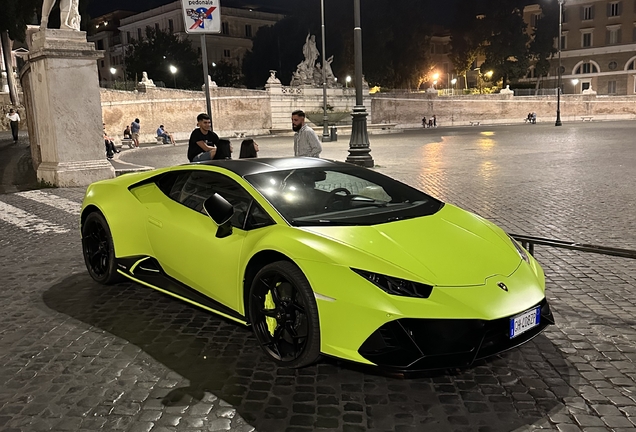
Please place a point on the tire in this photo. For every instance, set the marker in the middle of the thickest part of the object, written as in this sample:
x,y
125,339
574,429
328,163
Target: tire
x,y
284,315
99,250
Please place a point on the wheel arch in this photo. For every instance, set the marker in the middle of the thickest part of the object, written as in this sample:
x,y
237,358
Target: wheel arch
x,y
91,208
257,262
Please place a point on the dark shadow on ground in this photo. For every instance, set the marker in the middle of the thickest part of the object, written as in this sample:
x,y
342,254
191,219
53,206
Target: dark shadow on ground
x,y
16,167
221,357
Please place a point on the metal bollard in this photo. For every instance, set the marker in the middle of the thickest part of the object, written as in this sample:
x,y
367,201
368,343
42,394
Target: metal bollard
x,y
334,133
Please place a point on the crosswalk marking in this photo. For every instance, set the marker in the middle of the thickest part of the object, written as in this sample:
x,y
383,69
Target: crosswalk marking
x,y
28,221
52,200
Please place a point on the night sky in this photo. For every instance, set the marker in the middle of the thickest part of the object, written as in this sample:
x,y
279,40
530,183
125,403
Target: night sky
x,y
440,14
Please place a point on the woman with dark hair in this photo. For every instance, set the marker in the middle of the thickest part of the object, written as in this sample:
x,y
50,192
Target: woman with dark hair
x,y
249,149
223,150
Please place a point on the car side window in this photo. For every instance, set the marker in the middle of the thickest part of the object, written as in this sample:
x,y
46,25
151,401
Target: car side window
x,y
193,188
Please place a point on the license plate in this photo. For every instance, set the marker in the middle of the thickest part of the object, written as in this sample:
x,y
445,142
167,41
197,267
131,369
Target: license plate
x,y
525,321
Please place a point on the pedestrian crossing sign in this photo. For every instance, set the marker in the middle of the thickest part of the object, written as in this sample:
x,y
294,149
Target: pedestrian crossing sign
x,y
202,16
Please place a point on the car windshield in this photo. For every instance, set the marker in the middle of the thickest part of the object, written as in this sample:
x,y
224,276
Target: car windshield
x,y
341,196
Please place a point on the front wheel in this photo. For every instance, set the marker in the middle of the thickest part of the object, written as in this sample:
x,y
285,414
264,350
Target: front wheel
x,y
98,249
284,315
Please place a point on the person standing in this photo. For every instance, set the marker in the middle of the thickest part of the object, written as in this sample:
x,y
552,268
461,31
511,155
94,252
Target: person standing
x,y
14,120
202,143
306,142
135,127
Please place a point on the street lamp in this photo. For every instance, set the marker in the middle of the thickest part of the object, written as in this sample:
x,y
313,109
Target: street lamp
x,y
173,70
558,113
348,80
113,71
359,147
325,118
574,83
453,82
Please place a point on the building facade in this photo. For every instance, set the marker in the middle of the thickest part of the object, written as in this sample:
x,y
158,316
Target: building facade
x,y
104,32
238,27
598,46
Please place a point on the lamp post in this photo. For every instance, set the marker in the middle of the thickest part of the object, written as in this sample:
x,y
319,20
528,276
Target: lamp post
x,y
453,82
173,70
347,81
113,71
574,83
359,146
558,113
325,118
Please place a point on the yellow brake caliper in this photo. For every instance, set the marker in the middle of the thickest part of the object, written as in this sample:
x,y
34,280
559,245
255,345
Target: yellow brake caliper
x,y
270,305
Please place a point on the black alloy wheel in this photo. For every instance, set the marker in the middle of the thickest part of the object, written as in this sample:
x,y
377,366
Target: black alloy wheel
x,y
99,251
284,315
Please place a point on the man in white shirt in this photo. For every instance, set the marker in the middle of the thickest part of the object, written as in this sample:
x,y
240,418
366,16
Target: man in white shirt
x,y
14,119
306,142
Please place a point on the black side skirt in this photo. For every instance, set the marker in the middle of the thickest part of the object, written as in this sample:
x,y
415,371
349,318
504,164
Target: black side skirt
x,y
148,270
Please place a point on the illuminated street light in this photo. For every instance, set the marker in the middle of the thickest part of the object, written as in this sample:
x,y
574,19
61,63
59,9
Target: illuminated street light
x,y
435,76
348,80
489,74
574,83
174,70
453,82
113,71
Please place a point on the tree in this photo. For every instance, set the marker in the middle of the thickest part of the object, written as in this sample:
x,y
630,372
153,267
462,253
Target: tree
x,y
277,47
506,47
542,45
157,52
13,21
226,74
468,37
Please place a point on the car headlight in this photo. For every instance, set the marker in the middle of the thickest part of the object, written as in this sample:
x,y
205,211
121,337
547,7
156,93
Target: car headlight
x,y
395,286
521,250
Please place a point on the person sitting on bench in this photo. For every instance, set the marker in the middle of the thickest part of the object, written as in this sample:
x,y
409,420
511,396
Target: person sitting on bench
x,y
161,132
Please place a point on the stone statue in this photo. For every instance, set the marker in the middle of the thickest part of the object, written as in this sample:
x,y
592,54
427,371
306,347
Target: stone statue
x,y
331,78
272,78
146,81
69,14
310,51
306,70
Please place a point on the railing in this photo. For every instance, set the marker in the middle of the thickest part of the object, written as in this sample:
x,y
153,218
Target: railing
x,y
529,242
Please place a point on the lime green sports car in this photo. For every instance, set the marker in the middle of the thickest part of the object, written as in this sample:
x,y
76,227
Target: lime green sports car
x,y
319,257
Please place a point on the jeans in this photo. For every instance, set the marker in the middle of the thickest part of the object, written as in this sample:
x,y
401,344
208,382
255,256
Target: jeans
x,y
14,130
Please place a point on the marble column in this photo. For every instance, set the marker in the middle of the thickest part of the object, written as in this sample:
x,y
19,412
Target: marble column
x,y
66,108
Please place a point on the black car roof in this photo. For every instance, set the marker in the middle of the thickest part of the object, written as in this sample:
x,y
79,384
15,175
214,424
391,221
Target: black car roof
x,y
245,167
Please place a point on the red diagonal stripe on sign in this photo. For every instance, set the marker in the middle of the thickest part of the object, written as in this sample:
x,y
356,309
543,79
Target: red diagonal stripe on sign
x,y
199,21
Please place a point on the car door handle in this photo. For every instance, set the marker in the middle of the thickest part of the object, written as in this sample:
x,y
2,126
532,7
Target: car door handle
x,y
155,222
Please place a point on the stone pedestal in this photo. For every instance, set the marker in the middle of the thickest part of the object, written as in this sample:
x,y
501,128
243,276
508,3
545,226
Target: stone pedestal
x,y
65,106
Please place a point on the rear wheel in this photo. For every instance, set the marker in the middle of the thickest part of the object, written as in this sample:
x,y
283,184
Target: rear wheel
x,y
284,315
99,251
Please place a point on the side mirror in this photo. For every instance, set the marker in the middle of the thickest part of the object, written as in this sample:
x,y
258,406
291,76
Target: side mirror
x,y
221,212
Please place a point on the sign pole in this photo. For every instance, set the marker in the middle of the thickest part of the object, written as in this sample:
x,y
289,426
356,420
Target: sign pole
x,y
204,57
202,17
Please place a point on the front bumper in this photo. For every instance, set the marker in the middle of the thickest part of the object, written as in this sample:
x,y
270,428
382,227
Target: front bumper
x,y
409,344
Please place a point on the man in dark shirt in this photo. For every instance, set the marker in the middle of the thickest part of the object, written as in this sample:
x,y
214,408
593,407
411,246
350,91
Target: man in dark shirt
x,y
202,144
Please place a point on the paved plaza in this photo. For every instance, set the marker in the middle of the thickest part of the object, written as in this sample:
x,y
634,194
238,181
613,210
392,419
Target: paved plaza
x,y
78,356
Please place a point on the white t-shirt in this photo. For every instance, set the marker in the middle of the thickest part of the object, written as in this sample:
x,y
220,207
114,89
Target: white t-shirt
x,y
13,117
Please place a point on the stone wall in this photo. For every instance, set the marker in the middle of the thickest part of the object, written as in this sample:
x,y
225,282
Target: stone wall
x,y
233,111
407,109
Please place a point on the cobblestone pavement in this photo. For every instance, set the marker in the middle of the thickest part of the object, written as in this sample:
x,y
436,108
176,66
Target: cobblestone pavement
x,y
78,356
